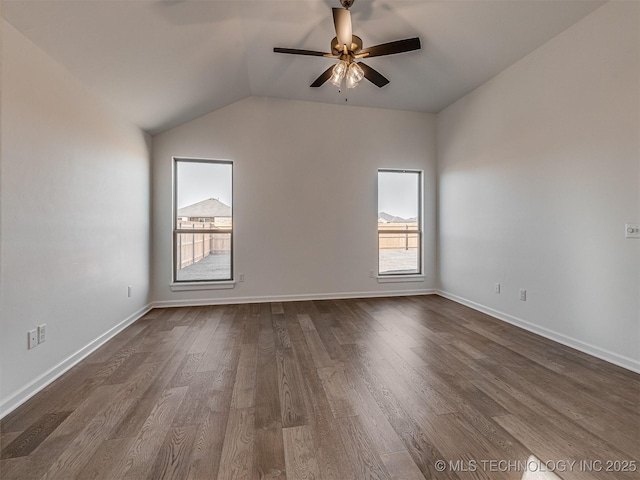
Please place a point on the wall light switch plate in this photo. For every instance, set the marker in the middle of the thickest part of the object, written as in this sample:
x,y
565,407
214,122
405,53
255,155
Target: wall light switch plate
x,y
523,295
42,333
631,230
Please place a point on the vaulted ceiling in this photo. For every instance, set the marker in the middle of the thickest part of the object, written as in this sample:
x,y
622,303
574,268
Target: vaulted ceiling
x,y
161,63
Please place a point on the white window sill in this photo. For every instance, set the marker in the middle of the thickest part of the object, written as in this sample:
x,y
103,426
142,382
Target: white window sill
x,y
186,286
399,278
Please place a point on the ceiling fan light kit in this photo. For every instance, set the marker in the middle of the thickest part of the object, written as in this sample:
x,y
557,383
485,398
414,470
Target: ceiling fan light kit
x,y
347,48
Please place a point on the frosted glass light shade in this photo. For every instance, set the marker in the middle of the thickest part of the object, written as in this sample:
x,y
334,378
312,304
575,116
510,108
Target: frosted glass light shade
x,y
354,75
338,73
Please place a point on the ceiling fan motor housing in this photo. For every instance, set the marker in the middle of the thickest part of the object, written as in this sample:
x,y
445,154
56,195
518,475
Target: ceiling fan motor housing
x,y
354,48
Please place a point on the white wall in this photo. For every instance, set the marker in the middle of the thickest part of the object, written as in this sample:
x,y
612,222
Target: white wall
x,y
74,218
538,172
305,208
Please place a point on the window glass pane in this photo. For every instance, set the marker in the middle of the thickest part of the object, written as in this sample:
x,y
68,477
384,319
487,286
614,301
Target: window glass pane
x,y
398,253
203,192
399,235
203,256
398,196
203,217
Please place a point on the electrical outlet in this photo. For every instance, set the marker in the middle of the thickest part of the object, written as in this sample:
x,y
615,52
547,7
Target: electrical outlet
x,y
370,273
32,338
129,291
42,333
241,277
631,230
497,288
523,295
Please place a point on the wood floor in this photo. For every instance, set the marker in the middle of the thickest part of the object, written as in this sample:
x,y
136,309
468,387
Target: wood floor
x,y
345,389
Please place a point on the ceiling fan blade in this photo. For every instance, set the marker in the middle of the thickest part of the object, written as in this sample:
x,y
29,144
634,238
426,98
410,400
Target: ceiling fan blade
x,y
373,76
323,78
391,48
342,22
296,51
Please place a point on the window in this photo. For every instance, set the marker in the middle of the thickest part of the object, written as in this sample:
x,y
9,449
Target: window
x,y
202,220
399,222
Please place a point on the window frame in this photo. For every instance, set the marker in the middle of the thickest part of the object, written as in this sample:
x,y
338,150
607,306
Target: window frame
x,y
175,231
418,231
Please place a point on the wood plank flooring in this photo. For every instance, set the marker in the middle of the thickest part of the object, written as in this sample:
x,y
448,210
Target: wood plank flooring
x,y
343,389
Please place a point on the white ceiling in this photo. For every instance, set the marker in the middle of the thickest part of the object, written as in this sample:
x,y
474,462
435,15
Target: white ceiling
x,y
162,63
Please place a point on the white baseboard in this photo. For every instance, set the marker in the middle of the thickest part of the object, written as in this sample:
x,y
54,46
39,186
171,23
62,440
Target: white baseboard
x,y
288,298
593,350
14,400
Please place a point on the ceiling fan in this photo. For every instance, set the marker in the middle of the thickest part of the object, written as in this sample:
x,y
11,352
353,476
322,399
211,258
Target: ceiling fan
x,y
347,48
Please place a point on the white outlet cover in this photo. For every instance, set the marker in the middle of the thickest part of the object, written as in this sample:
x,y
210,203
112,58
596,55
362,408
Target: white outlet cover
x,y
632,230
32,338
